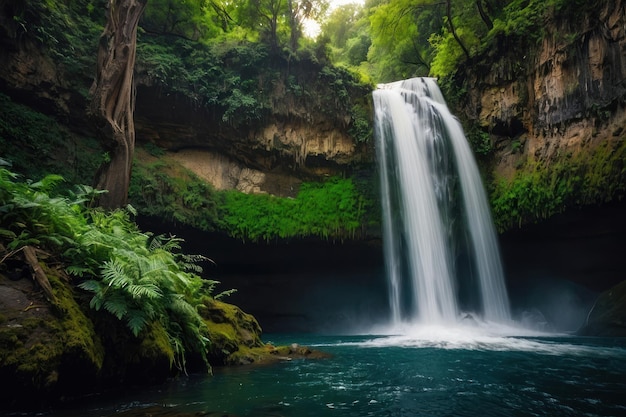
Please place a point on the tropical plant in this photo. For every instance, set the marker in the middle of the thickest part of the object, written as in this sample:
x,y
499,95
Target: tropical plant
x,y
140,279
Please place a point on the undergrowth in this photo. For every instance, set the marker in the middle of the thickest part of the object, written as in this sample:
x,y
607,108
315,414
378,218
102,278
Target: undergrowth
x,y
540,190
141,279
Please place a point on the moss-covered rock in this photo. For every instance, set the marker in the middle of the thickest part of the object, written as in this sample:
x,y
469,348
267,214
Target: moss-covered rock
x,y
607,318
56,351
46,350
54,347
231,332
236,339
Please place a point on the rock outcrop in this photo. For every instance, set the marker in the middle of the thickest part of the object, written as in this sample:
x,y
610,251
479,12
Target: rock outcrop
x,y
607,317
297,140
563,97
59,350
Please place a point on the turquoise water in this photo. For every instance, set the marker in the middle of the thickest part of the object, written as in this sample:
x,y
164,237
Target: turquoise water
x,y
424,374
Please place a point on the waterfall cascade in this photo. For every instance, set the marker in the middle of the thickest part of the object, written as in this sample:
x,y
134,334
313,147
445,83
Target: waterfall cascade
x,y
440,244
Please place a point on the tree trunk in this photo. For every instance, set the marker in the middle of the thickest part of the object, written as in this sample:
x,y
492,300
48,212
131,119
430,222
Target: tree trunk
x,y
453,30
483,15
113,99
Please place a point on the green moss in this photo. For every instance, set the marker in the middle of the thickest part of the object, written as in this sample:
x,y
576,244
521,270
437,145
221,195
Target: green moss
x,y
78,334
232,333
540,190
10,340
155,346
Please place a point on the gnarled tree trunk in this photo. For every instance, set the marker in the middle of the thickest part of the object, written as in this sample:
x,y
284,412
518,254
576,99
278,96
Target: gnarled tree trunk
x,y
113,99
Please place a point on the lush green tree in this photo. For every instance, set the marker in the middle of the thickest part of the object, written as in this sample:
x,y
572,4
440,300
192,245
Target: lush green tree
x,y
348,31
300,10
264,16
401,30
191,19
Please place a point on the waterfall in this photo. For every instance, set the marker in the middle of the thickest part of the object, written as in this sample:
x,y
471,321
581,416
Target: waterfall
x,y
441,249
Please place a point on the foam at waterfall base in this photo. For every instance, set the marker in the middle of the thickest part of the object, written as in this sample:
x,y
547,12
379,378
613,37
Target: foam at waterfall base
x,y
479,335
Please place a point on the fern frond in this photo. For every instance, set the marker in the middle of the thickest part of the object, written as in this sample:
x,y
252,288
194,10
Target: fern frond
x,y
114,275
144,291
7,234
91,285
97,301
79,271
136,321
48,182
180,306
132,210
117,306
225,294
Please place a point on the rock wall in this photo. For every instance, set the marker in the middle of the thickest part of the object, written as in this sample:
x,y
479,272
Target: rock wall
x,y
564,96
290,145
299,136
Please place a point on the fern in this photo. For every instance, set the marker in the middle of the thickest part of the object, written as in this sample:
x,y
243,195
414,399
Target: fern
x,y
136,321
225,293
117,305
139,279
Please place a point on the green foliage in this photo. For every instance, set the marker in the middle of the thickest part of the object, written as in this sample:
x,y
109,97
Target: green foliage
x,y
174,194
37,144
141,283
400,30
340,86
479,141
539,191
221,76
333,209
191,19
408,38
138,278
346,30
69,30
448,54
29,215
361,126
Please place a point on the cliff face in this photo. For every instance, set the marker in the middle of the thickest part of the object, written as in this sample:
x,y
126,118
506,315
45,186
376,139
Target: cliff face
x,y
297,140
301,127
558,109
564,96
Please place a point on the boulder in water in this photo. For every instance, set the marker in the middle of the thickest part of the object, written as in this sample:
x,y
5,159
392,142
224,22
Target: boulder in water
x,y
607,317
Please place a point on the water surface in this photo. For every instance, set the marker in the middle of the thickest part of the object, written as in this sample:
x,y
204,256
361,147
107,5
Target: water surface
x,y
429,372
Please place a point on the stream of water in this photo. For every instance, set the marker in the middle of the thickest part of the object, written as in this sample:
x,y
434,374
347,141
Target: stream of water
x,y
441,247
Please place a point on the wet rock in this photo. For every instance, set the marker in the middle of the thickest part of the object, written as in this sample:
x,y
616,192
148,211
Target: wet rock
x,y
607,317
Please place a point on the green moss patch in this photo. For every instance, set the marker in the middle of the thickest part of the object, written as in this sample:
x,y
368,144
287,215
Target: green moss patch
x,y
540,190
45,348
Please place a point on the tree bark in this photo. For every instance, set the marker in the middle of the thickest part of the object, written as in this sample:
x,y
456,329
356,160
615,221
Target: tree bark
x,y
113,99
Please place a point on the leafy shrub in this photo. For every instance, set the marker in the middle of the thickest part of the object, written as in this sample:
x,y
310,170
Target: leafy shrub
x,y
137,277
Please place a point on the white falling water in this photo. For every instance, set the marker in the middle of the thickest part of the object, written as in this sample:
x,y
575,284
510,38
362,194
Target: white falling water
x,y
440,244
